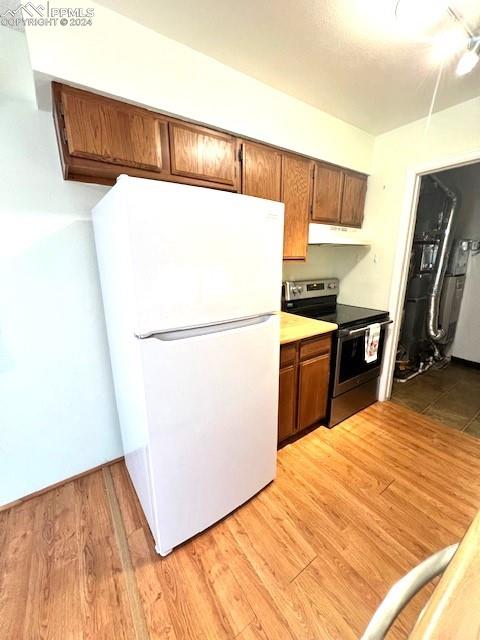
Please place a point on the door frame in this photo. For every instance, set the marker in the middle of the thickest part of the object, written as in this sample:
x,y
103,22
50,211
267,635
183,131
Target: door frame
x,y
398,284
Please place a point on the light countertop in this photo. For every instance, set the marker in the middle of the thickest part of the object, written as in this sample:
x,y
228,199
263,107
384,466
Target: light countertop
x,y
293,328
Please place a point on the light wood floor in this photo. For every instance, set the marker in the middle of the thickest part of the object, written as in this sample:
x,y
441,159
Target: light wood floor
x,y
310,557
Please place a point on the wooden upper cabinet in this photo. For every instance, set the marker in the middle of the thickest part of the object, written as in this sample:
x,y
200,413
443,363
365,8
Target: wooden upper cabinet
x,y
261,171
327,193
103,130
353,200
296,191
203,154
338,196
100,138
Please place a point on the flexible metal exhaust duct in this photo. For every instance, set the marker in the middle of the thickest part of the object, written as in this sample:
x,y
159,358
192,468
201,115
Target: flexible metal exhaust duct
x,y
433,330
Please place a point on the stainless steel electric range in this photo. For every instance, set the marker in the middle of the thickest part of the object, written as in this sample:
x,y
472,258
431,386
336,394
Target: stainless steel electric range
x,y
353,381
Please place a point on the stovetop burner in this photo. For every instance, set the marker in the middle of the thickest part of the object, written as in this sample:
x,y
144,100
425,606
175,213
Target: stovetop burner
x,y
353,381
318,299
344,315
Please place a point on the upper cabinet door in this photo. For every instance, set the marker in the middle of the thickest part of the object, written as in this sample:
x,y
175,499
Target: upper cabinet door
x,y
105,130
353,202
327,194
261,171
203,154
296,191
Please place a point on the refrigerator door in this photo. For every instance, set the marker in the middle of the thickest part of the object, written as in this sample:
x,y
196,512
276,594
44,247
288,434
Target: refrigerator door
x,y
211,404
201,256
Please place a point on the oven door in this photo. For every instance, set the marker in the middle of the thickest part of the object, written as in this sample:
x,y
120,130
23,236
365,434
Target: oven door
x,y
351,370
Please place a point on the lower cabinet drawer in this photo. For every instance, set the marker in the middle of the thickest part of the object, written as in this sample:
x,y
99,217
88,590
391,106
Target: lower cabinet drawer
x,y
288,354
313,390
315,347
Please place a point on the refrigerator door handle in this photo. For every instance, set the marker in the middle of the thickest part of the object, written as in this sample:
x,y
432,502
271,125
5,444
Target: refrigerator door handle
x,y
193,332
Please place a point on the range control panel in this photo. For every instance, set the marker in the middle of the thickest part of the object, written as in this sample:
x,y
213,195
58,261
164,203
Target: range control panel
x,y
300,289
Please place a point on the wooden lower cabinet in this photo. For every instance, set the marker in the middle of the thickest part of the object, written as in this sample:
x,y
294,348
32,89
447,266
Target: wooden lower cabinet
x,y
303,385
313,391
287,403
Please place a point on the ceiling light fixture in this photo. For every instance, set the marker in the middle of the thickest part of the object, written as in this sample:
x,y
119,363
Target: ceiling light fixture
x,y
418,15
470,58
449,43
422,15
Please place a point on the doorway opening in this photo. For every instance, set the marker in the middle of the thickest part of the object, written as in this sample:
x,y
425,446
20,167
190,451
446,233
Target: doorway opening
x,y
437,366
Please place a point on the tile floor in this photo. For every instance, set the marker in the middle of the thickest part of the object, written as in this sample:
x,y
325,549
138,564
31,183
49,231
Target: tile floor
x,y
450,395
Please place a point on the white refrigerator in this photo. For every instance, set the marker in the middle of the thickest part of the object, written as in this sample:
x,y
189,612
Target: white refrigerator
x,y
191,284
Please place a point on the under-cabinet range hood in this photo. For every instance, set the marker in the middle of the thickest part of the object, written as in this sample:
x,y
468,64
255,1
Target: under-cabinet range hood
x,y
331,234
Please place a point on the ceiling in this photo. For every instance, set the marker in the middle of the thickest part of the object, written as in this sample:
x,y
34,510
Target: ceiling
x,y
350,58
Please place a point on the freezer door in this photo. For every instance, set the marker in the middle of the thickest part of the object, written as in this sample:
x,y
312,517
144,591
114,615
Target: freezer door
x,y
212,413
201,256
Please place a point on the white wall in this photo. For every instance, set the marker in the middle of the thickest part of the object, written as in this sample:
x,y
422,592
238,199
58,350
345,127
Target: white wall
x,y
57,411
466,180
122,58
449,137
57,406
330,262
166,75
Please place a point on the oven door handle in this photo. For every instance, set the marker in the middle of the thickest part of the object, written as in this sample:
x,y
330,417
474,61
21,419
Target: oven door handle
x,y
355,332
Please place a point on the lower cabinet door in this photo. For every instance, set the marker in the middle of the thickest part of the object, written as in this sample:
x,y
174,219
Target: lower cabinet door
x,y
286,403
313,390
